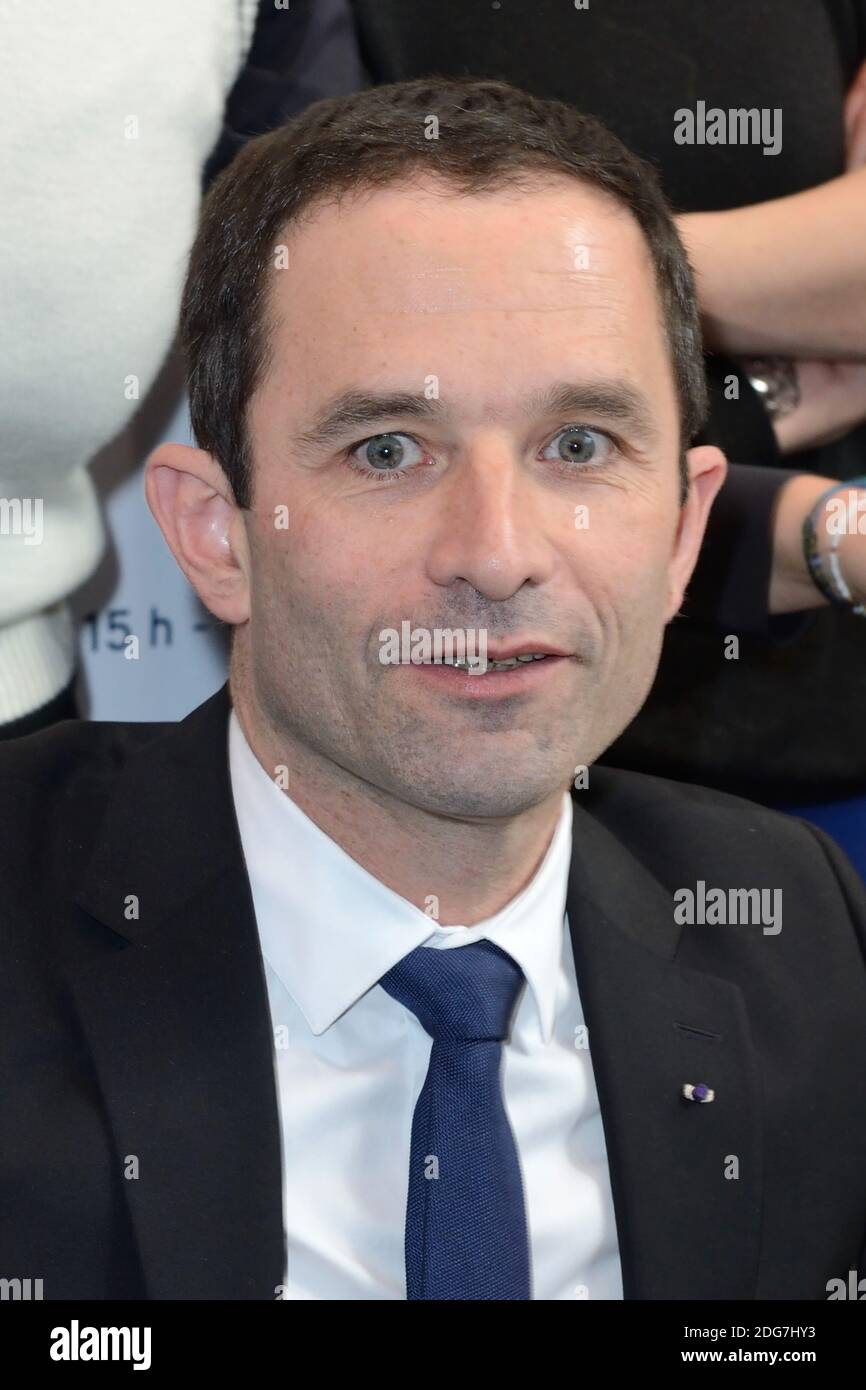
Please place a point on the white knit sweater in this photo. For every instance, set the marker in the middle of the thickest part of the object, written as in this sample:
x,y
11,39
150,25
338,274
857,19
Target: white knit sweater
x,y
109,111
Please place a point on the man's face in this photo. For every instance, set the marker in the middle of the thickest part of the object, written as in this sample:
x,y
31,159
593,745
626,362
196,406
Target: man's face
x,y
539,523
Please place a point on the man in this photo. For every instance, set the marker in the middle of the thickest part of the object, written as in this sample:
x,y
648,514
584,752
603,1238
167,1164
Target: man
x,y
362,982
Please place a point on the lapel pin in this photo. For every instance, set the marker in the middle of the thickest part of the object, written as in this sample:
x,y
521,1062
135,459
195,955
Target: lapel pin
x,y
700,1093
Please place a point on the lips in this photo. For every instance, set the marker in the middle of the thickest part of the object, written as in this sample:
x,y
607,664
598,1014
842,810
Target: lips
x,y
522,647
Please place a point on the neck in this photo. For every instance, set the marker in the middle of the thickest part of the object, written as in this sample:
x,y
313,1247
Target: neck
x,y
456,870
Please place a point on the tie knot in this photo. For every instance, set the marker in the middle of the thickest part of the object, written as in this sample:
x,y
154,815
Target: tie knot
x,y
460,994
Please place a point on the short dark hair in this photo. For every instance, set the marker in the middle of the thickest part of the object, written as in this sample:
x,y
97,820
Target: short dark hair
x,y
489,135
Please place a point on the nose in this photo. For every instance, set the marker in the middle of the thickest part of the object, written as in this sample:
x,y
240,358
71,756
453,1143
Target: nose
x,y
493,525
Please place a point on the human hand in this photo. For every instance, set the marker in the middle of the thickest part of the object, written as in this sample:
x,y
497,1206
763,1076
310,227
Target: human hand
x,y
832,403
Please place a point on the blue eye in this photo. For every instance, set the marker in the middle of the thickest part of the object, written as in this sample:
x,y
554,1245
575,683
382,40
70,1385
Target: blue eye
x,y
391,457
578,444
383,454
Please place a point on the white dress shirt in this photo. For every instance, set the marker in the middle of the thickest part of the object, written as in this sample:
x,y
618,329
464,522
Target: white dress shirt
x,y
351,1061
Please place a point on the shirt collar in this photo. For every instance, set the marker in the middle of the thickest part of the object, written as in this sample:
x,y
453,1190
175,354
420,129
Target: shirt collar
x,y
330,930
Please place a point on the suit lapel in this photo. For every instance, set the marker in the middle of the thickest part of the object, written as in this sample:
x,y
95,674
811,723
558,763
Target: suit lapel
x,y
174,1007
685,1229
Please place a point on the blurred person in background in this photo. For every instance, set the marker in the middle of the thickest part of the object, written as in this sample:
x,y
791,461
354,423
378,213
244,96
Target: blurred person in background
x,y
112,111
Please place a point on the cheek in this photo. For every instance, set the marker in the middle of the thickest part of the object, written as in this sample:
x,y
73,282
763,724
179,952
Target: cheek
x,y
623,554
623,593
361,555
300,550
324,585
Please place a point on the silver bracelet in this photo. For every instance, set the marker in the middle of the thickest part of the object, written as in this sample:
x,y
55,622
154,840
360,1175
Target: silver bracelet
x,y
832,585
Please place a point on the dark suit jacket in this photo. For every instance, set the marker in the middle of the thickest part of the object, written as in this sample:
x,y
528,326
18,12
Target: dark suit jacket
x,y
140,1146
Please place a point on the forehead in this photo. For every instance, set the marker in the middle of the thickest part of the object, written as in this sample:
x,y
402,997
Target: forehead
x,y
420,275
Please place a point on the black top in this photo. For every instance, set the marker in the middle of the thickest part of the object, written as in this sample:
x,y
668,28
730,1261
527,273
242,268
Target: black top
x,y
785,719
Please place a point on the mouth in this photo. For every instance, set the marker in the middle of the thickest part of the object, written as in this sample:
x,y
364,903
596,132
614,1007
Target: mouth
x,y
507,656
480,665
520,674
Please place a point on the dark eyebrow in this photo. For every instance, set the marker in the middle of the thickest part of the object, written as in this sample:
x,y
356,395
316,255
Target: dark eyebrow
x,y
614,399
356,410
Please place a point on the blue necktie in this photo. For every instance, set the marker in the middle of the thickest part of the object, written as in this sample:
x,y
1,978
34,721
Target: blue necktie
x,y
466,1235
